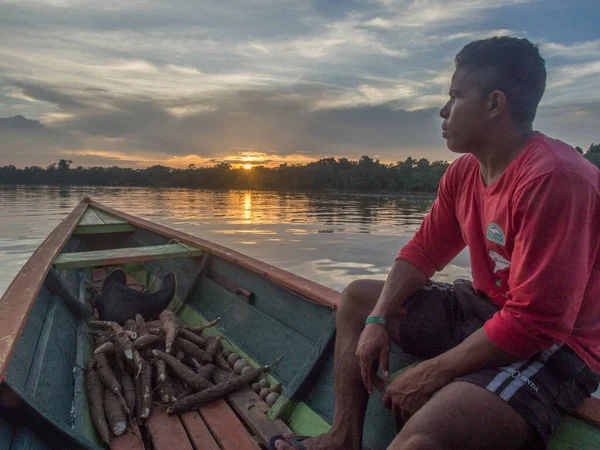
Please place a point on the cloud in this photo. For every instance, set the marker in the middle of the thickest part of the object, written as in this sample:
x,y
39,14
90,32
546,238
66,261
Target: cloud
x,y
433,13
575,51
190,81
573,73
19,123
573,84
34,146
282,121
571,122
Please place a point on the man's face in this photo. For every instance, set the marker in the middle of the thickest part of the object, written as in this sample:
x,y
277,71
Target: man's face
x,y
465,120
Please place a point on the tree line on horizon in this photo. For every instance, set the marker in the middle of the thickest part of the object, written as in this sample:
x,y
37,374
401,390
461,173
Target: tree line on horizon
x,y
365,175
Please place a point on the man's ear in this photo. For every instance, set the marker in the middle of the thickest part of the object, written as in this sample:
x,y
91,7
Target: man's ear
x,y
497,104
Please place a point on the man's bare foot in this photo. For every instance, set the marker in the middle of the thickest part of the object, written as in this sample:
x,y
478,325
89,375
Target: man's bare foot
x,y
322,442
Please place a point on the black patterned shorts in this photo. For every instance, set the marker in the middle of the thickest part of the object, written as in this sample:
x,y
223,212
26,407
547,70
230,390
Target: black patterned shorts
x,y
541,389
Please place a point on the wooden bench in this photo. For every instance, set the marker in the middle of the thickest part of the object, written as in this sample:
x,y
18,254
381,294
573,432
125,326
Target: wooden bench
x,y
77,260
238,423
95,221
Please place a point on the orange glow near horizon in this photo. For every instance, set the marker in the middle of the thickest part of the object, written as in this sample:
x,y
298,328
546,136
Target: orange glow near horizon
x,y
246,159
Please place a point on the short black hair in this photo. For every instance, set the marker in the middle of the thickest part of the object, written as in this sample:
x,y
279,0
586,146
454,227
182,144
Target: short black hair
x,y
511,65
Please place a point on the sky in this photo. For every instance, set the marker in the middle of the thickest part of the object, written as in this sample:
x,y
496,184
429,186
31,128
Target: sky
x,y
178,82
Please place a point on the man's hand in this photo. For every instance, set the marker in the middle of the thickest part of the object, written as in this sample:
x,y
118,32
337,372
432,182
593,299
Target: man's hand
x,y
414,387
373,349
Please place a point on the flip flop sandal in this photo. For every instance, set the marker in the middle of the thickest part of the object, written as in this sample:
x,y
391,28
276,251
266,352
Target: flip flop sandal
x,y
295,441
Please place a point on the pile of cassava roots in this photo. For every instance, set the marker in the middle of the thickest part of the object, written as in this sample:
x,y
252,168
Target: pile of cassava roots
x,y
145,365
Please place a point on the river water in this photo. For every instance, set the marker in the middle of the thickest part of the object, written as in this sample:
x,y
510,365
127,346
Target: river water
x,y
329,238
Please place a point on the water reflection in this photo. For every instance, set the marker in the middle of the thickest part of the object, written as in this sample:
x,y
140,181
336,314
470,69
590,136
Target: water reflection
x,y
248,206
329,238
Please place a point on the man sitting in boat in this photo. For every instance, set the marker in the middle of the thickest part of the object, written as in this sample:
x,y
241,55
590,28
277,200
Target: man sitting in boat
x,y
506,355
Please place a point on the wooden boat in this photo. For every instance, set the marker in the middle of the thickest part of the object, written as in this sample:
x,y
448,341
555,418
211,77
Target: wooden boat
x,y
266,313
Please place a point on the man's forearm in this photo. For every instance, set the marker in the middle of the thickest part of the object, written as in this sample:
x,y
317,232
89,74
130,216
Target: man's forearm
x,y
474,353
403,280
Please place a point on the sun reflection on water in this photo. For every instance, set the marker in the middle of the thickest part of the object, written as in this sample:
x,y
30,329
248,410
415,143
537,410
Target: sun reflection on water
x,y
248,206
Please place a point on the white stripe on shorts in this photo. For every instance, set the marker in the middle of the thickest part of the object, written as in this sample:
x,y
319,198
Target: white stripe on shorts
x,y
505,375
524,376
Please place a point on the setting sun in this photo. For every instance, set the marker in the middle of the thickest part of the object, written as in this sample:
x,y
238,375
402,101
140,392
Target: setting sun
x,y
247,166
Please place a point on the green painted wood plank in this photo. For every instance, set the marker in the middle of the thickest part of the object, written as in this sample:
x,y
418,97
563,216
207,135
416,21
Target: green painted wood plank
x,y
108,218
85,275
22,359
253,331
380,427
50,381
58,435
573,434
59,285
25,439
79,396
82,420
90,218
309,318
82,354
302,383
6,434
104,228
305,422
70,278
124,255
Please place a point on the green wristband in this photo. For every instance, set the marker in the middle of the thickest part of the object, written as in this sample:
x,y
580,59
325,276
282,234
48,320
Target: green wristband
x,y
380,320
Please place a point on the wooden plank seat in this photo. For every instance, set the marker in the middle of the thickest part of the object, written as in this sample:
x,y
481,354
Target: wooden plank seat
x,y
95,221
76,260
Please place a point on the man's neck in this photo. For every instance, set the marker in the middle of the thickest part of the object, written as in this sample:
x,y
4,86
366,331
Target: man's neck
x,y
494,159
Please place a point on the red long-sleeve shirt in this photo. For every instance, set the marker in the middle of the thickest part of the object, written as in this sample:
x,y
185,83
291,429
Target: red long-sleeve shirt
x,y
533,238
